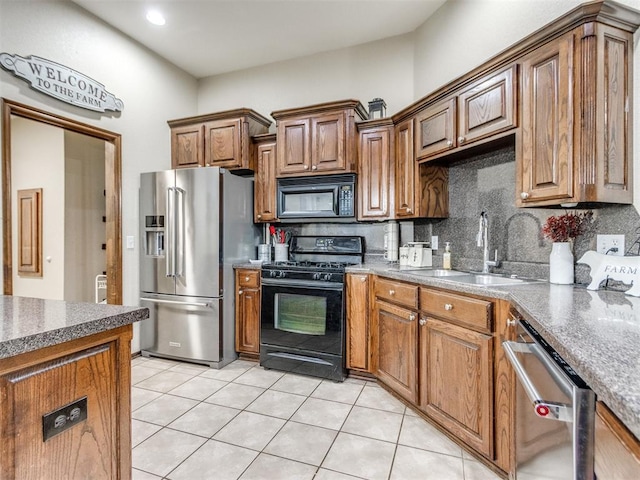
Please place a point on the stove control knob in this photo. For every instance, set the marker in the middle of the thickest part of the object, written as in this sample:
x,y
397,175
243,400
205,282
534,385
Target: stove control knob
x,y
272,274
281,274
327,276
316,276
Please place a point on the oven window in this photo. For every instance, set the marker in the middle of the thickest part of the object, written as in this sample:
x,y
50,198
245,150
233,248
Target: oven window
x,y
306,314
309,202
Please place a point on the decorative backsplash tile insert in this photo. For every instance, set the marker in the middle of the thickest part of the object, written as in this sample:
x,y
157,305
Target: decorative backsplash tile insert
x,y
487,183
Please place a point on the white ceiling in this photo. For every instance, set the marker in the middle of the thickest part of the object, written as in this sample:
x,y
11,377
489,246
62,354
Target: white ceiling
x,y
209,37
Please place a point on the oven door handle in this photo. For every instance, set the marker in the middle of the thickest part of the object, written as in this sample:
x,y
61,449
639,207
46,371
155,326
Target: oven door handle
x,y
543,408
314,284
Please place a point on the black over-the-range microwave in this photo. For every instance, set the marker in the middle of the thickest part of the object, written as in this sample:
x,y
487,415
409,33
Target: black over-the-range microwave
x,y
328,198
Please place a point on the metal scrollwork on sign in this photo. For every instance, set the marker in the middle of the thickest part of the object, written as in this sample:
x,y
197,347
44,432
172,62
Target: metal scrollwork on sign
x,y
61,82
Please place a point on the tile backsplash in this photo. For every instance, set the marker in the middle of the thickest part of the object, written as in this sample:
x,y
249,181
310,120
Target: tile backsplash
x,y
486,182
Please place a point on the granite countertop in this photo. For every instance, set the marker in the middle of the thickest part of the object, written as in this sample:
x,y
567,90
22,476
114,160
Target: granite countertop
x,y
596,332
29,324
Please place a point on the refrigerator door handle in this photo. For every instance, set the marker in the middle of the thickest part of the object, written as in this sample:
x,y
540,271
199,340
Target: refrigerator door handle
x,y
174,302
178,270
171,235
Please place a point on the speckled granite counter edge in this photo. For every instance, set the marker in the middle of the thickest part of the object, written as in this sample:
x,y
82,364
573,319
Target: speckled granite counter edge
x,y
36,341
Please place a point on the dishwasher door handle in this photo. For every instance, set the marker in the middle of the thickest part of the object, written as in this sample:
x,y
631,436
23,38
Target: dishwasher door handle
x,y
543,408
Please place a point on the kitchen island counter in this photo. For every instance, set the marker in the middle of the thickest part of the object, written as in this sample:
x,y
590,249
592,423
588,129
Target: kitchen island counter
x,y
65,385
29,324
596,332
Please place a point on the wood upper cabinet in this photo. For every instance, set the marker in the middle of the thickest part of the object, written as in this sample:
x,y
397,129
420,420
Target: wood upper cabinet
x,y
576,119
375,164
484,109
317,140
420,190
265,200
217,139
359,335
248,311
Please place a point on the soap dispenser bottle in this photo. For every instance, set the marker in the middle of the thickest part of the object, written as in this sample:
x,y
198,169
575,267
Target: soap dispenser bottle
x,y
446,257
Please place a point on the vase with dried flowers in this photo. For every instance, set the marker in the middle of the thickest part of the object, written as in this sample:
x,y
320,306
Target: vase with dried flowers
x,y
562,230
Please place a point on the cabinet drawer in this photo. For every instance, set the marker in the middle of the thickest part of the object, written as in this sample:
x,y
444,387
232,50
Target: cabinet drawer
x,y
248,278
470,312
396,292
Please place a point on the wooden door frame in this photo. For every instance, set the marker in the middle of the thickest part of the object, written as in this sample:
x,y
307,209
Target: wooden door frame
x,y
113,191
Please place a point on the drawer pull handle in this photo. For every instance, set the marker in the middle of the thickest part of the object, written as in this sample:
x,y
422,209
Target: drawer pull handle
x,y
392,292
423,321
448,306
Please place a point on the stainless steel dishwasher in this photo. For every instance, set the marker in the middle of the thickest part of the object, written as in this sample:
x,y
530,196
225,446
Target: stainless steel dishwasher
x,y
554,411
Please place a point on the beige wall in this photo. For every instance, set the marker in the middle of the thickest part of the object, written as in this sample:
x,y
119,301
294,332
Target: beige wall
x,y
40,164
378,69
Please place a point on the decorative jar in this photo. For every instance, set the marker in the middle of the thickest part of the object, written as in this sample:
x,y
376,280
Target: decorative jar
x,y
561,266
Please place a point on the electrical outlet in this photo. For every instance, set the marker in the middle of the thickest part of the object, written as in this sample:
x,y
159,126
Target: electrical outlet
x,y
610,244
434,242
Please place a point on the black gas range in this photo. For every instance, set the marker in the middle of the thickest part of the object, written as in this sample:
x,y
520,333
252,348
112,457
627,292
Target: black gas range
x,y
302,317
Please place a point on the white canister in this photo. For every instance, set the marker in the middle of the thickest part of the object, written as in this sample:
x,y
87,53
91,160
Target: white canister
x,y
281,252
404,255
391,238
264,252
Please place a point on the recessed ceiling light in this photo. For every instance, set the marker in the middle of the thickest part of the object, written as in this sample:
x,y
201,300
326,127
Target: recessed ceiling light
x,y
156,17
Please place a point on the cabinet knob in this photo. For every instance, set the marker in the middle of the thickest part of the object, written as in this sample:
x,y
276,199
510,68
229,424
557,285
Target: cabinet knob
x,y
524,195
240,292
363,279
314,167
450,143
448,306
408,210
259,216
511,322
392,292
412,317
461,139
423,321
246,279
306,167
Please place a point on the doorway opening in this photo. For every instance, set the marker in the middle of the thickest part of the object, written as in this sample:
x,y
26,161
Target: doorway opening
x,y
90,227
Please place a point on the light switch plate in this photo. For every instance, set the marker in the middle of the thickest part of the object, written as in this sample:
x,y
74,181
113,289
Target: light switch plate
x,y
131,242
610,244
434,242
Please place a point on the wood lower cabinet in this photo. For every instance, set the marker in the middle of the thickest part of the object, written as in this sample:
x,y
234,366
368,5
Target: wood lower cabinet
x,y
456,381
219,139
265,200
358,332
576,119
617,450
319,139
397,348
95,368
248,312
375,167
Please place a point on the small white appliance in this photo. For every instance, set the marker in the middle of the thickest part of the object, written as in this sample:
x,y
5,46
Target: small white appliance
x,y
420,254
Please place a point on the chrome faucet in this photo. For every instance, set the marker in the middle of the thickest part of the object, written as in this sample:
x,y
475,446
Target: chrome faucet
x,y
482,240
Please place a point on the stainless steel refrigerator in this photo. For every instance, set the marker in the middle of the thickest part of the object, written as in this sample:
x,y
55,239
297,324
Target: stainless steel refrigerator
x,y
195,223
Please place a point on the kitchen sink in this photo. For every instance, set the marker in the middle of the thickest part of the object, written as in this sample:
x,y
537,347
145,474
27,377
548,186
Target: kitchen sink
x,y
434,272
488,279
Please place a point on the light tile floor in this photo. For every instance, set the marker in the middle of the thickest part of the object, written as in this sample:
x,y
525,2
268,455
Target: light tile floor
x,y
243,422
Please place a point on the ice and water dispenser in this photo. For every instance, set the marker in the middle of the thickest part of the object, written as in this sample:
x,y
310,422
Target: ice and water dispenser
x,y
154,235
